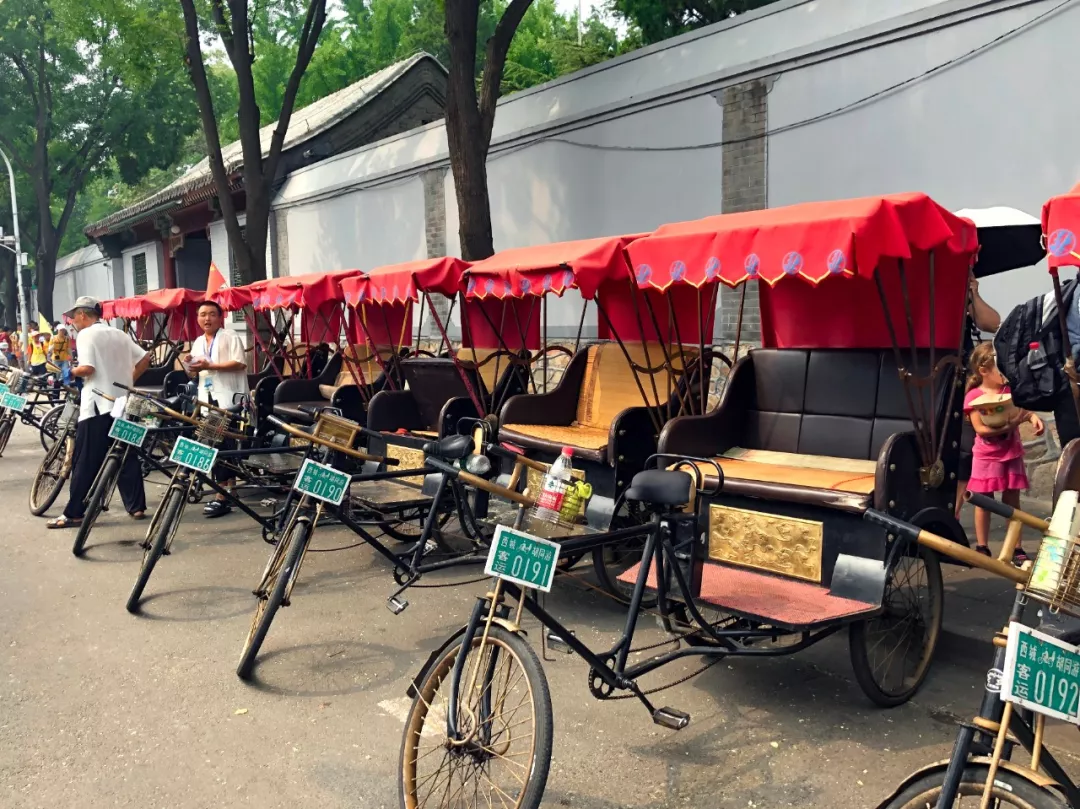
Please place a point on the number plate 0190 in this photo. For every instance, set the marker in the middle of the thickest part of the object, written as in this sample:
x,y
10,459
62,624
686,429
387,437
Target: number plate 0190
x,y
193,455
1042,674
322,482
522,558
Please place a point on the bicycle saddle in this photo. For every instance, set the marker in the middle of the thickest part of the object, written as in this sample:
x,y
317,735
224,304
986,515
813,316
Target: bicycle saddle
x,y
451,448
661,487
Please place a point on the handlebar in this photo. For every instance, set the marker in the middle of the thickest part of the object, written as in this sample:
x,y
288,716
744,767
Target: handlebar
x,y
1006,511
947,547
289,429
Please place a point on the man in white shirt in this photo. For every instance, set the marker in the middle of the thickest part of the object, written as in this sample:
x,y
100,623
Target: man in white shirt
x,y
217,359
106,356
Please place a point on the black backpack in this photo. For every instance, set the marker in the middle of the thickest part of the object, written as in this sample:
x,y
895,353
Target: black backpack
x,y
1037,388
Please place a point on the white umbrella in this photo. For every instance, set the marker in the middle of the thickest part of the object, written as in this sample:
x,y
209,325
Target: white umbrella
x,y
1008,239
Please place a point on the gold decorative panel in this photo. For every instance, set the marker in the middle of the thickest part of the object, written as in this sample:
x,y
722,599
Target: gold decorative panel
x,y
407,458
784,545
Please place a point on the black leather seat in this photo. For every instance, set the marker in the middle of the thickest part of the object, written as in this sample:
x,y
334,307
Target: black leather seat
x,y
451,448
661,487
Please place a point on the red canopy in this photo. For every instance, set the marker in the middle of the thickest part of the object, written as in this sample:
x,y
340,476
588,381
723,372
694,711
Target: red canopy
x,y
583,265
310,291
398,283
179,305
1061,222
813,241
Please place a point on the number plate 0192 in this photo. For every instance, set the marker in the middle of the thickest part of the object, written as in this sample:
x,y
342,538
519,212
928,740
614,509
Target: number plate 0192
x,y
1042,674
522,558
322,482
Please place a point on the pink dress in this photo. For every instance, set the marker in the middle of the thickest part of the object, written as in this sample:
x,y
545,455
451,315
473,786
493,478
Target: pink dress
x,y
997,461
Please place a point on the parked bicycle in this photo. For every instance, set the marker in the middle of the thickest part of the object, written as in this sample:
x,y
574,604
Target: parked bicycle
x,y
55,467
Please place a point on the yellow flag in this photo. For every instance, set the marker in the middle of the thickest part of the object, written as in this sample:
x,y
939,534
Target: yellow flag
x,y
43,324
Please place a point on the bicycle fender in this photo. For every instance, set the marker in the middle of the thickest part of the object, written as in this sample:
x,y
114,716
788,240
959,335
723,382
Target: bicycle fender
x,y
1037,778
414,684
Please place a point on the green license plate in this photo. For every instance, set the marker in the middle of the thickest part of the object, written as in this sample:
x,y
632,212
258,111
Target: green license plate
x,y
3,388
322,482
1042,674
522,558
193,455
13,402
128,431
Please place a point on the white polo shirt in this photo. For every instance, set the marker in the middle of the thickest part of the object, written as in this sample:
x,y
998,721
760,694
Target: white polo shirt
x,y
224,346
113,356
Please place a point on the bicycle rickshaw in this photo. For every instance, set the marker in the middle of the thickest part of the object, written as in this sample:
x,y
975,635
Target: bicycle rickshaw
x,y
741,559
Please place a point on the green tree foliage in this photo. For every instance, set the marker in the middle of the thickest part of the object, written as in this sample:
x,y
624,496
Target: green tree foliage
x,y
658,20
89,86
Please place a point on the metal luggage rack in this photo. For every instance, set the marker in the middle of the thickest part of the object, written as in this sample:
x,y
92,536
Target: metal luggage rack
x,y
1055,576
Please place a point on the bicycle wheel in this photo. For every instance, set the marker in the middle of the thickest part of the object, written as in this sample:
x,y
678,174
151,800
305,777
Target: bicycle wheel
x,y
162,528
50,426
505,719
106,481
281,572
1009,789
891,652
49,480
7,424
612,563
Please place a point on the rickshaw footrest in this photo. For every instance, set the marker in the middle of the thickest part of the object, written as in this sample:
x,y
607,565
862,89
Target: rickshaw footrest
x,y
671,718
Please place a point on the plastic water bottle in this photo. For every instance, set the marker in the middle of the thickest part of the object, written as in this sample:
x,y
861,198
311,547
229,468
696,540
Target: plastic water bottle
x,y
1036,358
549,500
1050,563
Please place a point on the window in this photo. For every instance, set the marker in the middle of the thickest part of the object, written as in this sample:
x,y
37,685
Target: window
x,y
138,269
234,274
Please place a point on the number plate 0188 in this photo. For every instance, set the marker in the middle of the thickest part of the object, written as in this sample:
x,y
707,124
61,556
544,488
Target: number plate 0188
x,y
1042,674
522,558
322,482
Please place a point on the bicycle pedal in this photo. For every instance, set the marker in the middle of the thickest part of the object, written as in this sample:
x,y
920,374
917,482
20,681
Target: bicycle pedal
x,y
268,502
671,718
557,644
396,605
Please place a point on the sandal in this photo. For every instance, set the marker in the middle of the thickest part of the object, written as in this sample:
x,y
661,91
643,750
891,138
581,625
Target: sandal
x,y
983,549
137,515
63,522
1019,557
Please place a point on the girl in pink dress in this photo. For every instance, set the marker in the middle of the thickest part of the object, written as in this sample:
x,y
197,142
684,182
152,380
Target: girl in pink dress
x,y
998,456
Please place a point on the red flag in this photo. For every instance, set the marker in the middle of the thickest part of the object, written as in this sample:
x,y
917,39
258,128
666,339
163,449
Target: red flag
x,y
214,281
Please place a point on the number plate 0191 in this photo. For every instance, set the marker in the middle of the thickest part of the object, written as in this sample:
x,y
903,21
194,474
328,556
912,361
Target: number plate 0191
x,y
1042,674
522,558
128,432
193,455
322,482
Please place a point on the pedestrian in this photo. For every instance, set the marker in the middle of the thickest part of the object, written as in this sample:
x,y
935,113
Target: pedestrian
x,y
39,346
106,356
60,353
217,360
998,456
982,318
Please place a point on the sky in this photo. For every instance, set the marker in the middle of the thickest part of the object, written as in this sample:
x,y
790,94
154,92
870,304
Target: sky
x,y
570,6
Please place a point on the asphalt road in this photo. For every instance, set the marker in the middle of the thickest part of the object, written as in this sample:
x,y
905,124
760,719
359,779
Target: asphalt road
x,y
99,708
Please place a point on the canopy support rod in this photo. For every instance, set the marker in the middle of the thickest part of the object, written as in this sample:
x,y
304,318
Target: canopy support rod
x,y
686,396
925,422
644,345
901,371
738,323
702,381
252,323
388,378
453,358
653,416
467,339
544,339
933,358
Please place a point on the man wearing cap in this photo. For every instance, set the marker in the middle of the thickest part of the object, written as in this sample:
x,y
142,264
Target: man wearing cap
x,y
106,356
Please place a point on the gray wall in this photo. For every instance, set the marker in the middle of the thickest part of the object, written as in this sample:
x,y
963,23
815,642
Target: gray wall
x,y
985,131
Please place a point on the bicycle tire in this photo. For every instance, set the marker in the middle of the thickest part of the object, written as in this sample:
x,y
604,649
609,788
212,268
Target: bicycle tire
x,y
861,641
50,478
1010,789
48,427
110,472
532,791
268,607
7,424
171,509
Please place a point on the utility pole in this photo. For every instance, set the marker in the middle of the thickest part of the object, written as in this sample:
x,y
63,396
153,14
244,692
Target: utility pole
x,y
18,259
579,23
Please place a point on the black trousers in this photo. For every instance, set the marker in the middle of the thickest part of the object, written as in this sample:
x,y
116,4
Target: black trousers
x,y
92,444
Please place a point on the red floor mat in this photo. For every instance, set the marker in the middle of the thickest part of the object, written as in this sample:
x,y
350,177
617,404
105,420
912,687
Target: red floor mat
x,y
786,602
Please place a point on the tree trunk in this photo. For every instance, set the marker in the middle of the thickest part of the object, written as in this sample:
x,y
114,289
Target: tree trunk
x,y
46,282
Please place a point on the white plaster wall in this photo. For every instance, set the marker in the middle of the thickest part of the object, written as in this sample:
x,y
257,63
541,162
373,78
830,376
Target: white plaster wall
x,y
990,130
358,230
154,258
